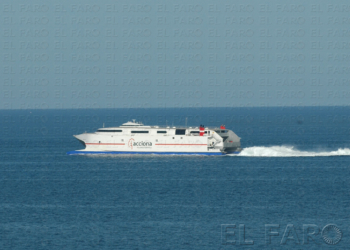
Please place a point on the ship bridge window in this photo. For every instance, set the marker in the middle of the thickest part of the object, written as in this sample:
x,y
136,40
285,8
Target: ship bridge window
x,y
221,131
106,130
140,132
197,132
180,131
161,132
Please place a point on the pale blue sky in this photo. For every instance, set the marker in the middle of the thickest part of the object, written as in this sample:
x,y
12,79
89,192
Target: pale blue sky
x,y
127,54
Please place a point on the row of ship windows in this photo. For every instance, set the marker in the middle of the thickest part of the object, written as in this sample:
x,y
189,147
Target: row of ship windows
x,y
177,132
132,132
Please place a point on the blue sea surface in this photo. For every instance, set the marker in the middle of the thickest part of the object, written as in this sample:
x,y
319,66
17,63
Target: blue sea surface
x,y
279,194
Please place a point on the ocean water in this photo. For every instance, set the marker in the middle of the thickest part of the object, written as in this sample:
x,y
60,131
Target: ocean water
x,y
288,189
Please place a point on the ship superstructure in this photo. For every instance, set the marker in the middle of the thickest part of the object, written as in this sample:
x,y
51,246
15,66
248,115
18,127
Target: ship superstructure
x,y
135,138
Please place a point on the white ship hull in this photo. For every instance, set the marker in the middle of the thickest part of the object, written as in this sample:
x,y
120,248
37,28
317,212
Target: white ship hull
x,y
134,138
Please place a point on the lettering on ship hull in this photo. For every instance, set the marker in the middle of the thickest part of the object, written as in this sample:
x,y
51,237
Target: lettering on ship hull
x,y
132,143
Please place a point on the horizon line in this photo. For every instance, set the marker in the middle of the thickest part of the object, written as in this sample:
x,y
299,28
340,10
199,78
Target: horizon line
x,y
206,107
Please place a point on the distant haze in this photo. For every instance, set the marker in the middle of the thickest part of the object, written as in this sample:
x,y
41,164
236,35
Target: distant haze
x,y
127,54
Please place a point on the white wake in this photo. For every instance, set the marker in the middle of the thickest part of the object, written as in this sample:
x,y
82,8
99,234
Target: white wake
x,y
289,151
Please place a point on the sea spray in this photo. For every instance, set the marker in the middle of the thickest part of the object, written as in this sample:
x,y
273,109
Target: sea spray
x,y
289,151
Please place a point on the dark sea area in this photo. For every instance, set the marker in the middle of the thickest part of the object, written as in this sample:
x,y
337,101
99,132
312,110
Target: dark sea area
x,y
289,188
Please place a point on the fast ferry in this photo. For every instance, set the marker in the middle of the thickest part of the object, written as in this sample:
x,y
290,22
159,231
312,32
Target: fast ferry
x,y
136,138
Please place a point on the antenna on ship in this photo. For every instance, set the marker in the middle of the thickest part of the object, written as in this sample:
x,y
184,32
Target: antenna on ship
x,y
103,124
186,123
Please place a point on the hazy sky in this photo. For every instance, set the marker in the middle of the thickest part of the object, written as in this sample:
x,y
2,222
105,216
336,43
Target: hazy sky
x,y
127,54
